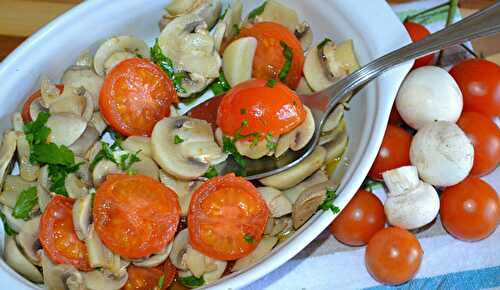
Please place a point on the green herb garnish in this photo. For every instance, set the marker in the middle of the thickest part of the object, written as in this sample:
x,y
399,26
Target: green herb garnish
x,y
178,139
323,43
271,83
287,52
243,111
211,172
220,85
106,153
166,64
36,132
50,153
8,230
224,14
271,145
192,281
244,123
58,174
25,202
126,161
328,203
236,29
249,238
257,11
230,147
161,281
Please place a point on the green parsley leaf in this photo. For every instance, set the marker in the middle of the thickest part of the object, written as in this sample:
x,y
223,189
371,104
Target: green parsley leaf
x,y
25,202
257,11
192,281
105,153
287,52
328,203
236,29
230,147
8,230
36,132
58,174
323,43
126,161
271,145
117,140
211,172
220,85
178,139
371,185
50,153
161,281
271,83
166,64
244,123
249,238
223,14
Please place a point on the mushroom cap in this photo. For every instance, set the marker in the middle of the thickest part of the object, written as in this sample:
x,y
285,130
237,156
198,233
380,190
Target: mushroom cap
x,y
27,239
65,128
123,43
15,258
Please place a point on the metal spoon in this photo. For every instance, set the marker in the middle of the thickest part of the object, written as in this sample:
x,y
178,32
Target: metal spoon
x,y
481,23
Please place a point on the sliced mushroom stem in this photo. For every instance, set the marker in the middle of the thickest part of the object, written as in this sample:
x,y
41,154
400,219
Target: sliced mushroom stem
x,y
15,258
263,248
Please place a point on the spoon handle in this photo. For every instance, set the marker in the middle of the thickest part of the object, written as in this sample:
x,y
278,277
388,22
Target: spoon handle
x,y
481,23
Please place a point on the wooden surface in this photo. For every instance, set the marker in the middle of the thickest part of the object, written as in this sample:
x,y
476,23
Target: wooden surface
x,y
20,18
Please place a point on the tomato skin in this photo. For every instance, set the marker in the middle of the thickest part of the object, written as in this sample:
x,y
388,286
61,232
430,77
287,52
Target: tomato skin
x,y
134,215
135,95
141,278
277,110
393,153
393,256
470,210
485,136
207,111
222,211
25,113
58,237
418,31
359,220
479,81
269,58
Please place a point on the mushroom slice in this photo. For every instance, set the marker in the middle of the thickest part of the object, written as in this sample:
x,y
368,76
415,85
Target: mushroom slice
x,y
36,107
12,187
99,255
82,216
97,121
83,171
101,280
214,275
116,58
16,224
15,258
102,169
298,137
17,122
200,265
155,259
232,18
70,101
27,239
203,8
27,170
85,141
296,174
7,153
192,83
191,157
146,166
42,188
138,143
304,34
179,7
182,188
277,12
333,120
308,202
124,43
84,59
179,248
303,87
341,59
238,60
55,277
337,146
65,128
193,50
93,151
293,193
49,92
263,248
254,150
277,203
218,34
88,112
277,226
334,134
84,77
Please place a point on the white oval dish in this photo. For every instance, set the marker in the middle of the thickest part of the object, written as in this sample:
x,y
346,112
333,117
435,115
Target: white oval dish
x,y
372,25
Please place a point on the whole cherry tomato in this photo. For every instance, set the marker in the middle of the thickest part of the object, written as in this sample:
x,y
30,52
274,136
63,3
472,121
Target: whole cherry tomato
x,y
418,31
470,210
393,256
360,220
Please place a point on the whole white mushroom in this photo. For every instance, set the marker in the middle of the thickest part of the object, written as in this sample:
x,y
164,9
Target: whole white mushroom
x,y
429,94
442,153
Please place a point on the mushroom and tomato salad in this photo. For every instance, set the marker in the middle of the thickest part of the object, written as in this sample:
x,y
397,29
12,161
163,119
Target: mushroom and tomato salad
x,y
112,188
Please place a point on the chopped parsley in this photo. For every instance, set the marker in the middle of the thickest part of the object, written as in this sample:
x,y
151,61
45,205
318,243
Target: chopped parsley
x,y
178,139
58,174
36,132
192,281
8,230
25,202
211,172
328,203
257,11
271,83
244,123
230,147
371,185
166,64
220,85
114,154
243,111
161,281
271,145
323,43
51,153
249,238
224,14
287,52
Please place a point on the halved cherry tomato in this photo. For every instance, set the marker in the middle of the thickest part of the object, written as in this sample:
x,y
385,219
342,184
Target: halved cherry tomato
x,y
393,256
254,107
135,216
26,106
135,95
485,136
418,31
470,210
58,237
479,81
394,152
269,56
140,278
395,117
226,218
207,111
360,220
